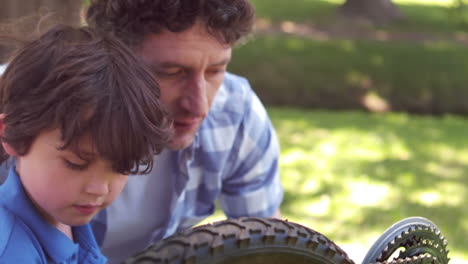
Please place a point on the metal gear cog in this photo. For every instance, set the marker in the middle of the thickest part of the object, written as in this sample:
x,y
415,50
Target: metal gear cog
x,y
416,240
421,259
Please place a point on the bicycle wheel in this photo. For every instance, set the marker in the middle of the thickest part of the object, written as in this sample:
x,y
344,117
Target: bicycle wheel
x,y
411,240
247,240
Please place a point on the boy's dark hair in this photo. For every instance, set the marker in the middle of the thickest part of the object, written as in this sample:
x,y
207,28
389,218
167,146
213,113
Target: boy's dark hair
x,y
131,21
84,83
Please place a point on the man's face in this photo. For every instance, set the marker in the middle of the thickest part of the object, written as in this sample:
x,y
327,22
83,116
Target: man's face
x,y
189,67
66,189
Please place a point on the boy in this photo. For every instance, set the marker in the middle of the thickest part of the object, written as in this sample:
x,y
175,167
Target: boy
x,y
79,113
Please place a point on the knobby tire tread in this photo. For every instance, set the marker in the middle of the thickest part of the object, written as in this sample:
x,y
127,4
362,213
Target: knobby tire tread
x,y
220,242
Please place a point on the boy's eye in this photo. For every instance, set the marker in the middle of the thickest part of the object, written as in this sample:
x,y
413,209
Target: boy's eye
x,y
75,166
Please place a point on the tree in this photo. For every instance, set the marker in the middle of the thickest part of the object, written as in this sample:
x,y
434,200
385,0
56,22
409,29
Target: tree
x,y
376,11
28,13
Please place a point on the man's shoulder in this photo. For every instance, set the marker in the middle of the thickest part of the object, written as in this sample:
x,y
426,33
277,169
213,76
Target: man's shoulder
x,y
235,81
232,101
230,105
235,108
2,68
233,94
237,99
16,240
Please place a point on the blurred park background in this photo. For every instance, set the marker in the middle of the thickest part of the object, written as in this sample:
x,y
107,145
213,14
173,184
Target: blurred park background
x,y
369,99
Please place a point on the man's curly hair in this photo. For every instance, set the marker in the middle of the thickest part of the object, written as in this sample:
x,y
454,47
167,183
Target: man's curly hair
x,y
132,20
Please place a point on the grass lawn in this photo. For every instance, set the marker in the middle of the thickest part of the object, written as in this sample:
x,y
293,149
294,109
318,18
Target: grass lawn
x,y
430,16
333,72
350,175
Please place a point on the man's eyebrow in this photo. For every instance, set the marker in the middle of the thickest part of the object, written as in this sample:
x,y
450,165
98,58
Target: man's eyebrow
x,y
169,64
222,63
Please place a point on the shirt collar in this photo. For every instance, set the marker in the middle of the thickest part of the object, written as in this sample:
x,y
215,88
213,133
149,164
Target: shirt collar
x,y
56,245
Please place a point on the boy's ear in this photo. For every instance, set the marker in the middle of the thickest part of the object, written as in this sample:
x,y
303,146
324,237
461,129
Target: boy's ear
x,y
8,149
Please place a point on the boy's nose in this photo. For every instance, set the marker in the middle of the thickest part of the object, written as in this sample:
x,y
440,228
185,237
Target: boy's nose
x,y
97,186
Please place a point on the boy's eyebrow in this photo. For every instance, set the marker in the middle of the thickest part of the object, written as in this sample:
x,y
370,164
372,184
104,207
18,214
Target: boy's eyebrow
x,y
82,154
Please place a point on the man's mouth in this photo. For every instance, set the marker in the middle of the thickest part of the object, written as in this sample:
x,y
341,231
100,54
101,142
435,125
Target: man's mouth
x,y
185,124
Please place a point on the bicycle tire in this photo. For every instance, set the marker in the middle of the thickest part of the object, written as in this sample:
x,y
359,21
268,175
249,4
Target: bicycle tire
x,y
418,236
245,240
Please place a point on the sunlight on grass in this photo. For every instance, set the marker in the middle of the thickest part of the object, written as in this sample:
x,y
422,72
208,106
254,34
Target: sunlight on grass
x,y
446,171
429,198
351,175
295,44
447,153
420,2
444,195
347,45
293,156
367,194
319,207
426,2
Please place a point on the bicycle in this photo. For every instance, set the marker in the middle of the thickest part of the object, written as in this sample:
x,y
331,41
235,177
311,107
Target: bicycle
x,y
252,240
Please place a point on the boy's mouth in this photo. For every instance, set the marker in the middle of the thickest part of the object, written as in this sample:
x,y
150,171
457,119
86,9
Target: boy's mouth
x,y
86,209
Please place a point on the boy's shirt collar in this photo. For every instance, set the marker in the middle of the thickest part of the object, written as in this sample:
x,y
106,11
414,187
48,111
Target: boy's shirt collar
x,y
57,246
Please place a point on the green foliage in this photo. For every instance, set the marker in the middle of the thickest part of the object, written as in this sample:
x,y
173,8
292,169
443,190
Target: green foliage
x,y
407,73
460,12
342,73
295,10
351,175
440,17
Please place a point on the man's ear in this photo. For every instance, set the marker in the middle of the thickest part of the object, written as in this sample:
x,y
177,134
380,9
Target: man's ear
x,y
8,149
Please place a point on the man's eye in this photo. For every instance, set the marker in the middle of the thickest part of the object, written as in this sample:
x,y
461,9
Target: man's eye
x,y
216,71
74,166
168,73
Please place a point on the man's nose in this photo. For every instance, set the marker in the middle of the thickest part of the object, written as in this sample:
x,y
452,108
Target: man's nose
x,y
195,100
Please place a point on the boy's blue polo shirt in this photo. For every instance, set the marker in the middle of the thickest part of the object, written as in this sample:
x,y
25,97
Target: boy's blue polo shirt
x,y
25,237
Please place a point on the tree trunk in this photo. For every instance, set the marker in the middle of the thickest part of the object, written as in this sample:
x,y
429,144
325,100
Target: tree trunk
x,y
376,11
23,16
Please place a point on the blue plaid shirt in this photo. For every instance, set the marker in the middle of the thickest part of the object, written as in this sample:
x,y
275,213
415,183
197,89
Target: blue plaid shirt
x,y
233,159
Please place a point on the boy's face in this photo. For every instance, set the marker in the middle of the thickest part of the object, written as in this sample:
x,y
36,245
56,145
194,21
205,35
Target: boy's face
x,y
189,67
66,189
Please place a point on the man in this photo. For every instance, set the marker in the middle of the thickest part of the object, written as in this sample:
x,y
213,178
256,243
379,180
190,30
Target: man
x,y
224,147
